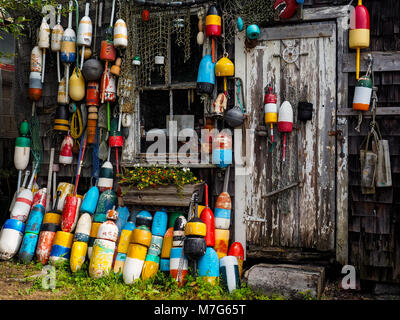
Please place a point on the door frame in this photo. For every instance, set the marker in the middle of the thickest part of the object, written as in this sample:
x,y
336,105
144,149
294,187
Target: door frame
x,y
339,14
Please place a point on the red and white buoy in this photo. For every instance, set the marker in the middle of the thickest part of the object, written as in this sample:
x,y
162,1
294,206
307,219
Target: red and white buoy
x,y
66,156
84,37
285,122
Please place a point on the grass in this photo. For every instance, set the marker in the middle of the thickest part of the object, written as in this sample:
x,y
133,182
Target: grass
x,y
79,286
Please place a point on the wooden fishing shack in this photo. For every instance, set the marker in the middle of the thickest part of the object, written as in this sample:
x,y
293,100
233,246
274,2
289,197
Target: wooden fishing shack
x,y
306,208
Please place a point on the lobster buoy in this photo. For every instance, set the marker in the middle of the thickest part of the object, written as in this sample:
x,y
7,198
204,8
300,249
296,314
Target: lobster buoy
x,y
104,246
107,200
155,245
123,245
65,189
178,265
116,68
108,90
10,238
107,51
195,244
36,60
77,85
61,249
90,200
144,218
92,70
93,235
236,250
35,86
285,8
84,37
285,122
159,226
213,26
61,120
141,235
222,150
229,271
120,34
359,33
221,242
80,244
55,40
44,42
164,265
179,232
253,32
150,266
22,147
123,216
93,94
105,176
62,96
66,156
32,229
167,244
134,262
222,211
207,217
270,111
206,76
115,139
224,68
362,94
39,197
23,204
70,212
208,266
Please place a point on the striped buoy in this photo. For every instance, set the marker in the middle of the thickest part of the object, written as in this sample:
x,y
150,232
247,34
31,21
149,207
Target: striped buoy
x,y
80,244
222,150
141,235
178,265
222,211
107,200
229,271
61,249
208,266
134,262
66,156
120,34
106,176
221,242
36,60
236,250
92,236
195,244
155,245
362,94
45,241
123,245
10,238
35,86
65,189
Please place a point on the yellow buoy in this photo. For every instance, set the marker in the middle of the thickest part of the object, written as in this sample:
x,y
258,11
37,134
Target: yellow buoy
x,y
76,85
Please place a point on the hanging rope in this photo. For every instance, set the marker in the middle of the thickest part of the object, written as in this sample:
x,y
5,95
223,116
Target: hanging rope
x,y
76,124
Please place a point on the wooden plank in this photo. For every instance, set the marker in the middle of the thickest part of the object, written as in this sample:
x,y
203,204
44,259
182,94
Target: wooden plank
x,y
385,111
305,31
383,61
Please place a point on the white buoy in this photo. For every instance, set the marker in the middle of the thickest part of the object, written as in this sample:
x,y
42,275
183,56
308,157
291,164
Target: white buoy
x,y
10,238
120,34
44,42
56,38
84,37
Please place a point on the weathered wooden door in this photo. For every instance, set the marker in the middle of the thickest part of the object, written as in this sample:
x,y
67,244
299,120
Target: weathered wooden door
x,y
293,202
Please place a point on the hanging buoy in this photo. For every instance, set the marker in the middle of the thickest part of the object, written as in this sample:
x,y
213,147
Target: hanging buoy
x,y
116,68
84,37
206,76
104,246
120,34
144,218
222,211
208,266
44,43
22,150
221,242
229,271
61,120
359,33
108,92
107,200
213,26
362,94
285,9
68,47
115,139
35,86
239,24
219,105
90,200
145,15
200,38
236,250
222,149
285,122
224,68
62,96
11,236
36,60
253,32
66,156
270,111
92,70
77,85
179,231
61,250
56,38
106,176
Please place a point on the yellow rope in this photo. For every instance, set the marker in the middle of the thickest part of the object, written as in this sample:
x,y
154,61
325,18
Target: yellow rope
x,y
76,124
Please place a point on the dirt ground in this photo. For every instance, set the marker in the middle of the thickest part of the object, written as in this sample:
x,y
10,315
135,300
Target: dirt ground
x,y
16,281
